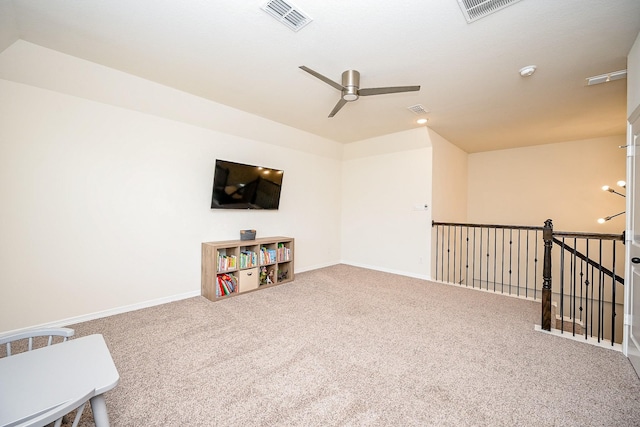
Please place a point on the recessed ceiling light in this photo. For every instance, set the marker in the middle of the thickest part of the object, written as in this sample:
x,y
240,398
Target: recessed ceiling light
x,y
422,121
528,70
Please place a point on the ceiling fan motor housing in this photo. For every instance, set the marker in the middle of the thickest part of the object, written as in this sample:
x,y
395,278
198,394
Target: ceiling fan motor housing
x,y
350,83
350,87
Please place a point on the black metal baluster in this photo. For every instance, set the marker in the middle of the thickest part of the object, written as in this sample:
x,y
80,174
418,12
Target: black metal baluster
x,y
437,248
502,264
572,277
573,285
480,261
586,284
455,240
535,268
600,295
488,249
547,286
600,278
467,261
562,286
510,257
563,290
613,295
519,256
460,272
495,257
449,254
592,300
526,272
473,271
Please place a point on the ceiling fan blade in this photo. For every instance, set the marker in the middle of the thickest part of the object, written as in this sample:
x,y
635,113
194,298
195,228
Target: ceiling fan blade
x,y
321,77
383,90
337,108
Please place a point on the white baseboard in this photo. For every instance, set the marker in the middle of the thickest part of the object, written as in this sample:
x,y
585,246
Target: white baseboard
x,y
315,267
485,290
107,313
178,297
387,270
581,338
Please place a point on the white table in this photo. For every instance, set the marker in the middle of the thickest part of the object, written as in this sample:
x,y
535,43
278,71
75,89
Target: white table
x,y
38,380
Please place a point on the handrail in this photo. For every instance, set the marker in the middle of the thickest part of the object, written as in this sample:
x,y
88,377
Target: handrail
x,y
506,256
589,260
509,258
462,224
581,235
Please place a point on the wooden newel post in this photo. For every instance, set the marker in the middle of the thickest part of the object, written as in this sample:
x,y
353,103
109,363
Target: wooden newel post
x,y
547,236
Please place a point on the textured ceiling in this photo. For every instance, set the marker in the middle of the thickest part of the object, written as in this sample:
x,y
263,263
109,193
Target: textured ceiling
x,y
234,53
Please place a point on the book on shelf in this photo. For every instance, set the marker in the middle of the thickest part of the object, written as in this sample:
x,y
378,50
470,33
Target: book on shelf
x,y
248,259
284,253
226,284
267,255
226,262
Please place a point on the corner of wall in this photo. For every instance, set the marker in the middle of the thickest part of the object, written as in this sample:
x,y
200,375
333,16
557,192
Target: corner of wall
x,y
411,139
450,176
8,27
385,181
633,77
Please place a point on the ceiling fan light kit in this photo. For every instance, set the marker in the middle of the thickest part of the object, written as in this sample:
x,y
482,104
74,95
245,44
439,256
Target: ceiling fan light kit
x,y
350,87
350,82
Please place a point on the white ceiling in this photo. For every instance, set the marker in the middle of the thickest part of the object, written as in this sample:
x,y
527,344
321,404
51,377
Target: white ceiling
x,y
234,53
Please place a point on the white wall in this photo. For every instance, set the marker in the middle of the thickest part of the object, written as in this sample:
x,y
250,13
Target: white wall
x,y
450,170
385,182
37,66
8,27
104,208
633,77
525,186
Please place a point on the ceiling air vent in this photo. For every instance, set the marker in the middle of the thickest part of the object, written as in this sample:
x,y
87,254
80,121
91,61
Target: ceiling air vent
x,y
287,13
418,109
476,9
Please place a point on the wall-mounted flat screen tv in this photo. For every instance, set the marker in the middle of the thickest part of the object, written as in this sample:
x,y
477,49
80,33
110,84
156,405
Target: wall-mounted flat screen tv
x,y
240,186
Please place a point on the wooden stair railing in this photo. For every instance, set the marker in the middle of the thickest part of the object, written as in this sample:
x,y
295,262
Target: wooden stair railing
x,y
504,259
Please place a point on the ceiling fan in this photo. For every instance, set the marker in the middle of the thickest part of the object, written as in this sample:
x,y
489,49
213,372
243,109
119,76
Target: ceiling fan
x,y
350,87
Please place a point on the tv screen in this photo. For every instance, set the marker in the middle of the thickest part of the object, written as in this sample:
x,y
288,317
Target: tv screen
x,y
240,186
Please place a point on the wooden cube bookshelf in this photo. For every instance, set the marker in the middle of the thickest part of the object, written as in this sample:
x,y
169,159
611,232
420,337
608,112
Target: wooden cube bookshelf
x,y
232,267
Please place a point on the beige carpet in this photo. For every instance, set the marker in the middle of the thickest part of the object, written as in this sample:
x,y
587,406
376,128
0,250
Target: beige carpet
x,y
345,346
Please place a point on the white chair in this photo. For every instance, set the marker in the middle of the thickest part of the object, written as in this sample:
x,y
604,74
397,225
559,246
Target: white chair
x,y
56,414
63,333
